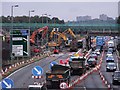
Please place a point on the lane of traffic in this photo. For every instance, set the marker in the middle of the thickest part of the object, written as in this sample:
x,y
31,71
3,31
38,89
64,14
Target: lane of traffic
x,y
26,72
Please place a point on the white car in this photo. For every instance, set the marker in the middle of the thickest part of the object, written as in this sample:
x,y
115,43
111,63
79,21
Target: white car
x,y
97,51
109,54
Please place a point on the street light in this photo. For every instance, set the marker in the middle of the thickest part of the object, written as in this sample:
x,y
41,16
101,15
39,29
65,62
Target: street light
x,y
29,16
46,23
12,14
12,26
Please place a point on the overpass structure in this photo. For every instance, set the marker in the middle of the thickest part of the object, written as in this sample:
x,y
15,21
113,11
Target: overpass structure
x,y
76,27
104,33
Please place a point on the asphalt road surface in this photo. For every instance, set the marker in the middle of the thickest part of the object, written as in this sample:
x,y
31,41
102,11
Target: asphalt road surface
x,y
108,75
23,77
91,82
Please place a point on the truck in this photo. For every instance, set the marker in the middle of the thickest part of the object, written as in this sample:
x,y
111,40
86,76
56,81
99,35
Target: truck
x,y
57,75
99,41
73,45
77,65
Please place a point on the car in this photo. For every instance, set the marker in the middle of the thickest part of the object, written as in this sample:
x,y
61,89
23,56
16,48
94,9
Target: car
x,y
111,66
56,51
93,55
109,59
116,77
109,54
97,51
91,62
110,50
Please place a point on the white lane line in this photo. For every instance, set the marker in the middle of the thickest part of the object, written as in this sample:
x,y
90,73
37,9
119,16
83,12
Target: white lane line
x,y
84,88
17,71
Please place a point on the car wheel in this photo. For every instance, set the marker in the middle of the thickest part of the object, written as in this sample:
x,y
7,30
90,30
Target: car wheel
x,y
113,82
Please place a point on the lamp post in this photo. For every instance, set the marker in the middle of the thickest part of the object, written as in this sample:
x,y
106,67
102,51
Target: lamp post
x,y
12,28
29,16
47,32
46,24
12,14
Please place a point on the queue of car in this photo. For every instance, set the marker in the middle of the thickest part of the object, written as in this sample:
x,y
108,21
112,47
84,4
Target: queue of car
x,y
92,60
112,66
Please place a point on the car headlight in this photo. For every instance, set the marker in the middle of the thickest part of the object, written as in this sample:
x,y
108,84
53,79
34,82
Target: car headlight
x,y
114,67
107,67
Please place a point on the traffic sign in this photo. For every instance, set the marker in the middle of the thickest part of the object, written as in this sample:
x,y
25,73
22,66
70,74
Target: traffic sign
x,y
37,71
52,64
20,42
63,85
7,83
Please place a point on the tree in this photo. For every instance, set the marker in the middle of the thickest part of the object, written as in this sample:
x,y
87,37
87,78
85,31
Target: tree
x,y
33,19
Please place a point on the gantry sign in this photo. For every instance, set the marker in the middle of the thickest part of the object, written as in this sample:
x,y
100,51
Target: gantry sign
x,y
20,42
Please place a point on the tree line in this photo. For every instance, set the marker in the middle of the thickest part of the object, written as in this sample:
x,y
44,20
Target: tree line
x,y
33,19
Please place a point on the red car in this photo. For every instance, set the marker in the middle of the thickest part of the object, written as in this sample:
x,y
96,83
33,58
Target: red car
x,y
36,50
56,51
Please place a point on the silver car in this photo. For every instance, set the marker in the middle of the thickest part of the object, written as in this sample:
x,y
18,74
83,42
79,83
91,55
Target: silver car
x,y
111,66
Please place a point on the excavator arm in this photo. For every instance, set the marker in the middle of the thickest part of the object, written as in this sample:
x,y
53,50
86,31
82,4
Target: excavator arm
x,y
40,30
69,31
60,35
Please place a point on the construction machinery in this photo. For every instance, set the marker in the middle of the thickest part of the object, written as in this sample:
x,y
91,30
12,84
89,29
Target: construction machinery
x,y
43,32
61,36
59,39
69,32
57,75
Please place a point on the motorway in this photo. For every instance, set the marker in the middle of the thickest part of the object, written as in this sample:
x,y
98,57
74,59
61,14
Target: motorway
x,y
108,75
93,81
23,77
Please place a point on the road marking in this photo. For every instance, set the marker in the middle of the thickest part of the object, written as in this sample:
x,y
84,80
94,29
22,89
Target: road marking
x,y
17,71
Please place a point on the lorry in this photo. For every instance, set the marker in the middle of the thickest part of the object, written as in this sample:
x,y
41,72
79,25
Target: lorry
x,y
100,42
57,75
77,65
73,45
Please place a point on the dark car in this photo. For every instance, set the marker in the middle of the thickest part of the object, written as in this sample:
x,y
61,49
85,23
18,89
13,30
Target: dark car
x,y
111,66
110,59
91,62
116,77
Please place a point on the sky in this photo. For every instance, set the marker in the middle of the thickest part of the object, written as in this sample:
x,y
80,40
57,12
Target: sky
x,y
66,10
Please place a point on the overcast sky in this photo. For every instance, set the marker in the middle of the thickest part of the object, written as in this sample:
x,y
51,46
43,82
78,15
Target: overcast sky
x,y
62,10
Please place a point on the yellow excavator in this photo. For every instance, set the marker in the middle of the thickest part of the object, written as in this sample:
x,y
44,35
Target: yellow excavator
x,y
59,40
70,32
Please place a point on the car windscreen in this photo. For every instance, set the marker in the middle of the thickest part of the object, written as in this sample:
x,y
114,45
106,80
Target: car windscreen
x,y
117,74
111,65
